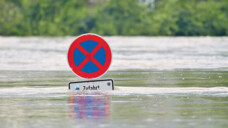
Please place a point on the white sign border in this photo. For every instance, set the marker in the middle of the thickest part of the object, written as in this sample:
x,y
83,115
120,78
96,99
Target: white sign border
x,y
92,81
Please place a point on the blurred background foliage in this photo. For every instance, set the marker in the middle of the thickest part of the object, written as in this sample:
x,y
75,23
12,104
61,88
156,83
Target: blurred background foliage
x,y
114,17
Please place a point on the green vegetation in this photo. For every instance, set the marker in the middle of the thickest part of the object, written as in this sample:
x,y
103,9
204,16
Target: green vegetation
x,y
114,17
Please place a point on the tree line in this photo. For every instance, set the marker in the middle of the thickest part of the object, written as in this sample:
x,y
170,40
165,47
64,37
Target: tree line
x,y
114,17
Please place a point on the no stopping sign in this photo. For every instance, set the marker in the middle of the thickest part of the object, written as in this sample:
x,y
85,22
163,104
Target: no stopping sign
x,y
89,56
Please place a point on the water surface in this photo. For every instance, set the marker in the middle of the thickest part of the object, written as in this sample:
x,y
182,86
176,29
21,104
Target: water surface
x,y
160,82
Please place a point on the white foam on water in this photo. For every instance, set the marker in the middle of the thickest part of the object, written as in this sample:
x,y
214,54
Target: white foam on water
x,y
50,53
63,91
25,91
172,90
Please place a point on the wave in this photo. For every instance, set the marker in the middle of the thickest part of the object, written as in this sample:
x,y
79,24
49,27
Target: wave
x,y
63,91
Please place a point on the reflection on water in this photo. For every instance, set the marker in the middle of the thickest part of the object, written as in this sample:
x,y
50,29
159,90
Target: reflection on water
x,y
90,106
55,108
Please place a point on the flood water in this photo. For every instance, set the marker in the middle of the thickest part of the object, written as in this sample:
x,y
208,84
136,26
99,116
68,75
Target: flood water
x,y
160,82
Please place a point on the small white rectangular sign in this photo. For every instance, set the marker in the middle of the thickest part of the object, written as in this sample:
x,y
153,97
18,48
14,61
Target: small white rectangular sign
x,y
106,84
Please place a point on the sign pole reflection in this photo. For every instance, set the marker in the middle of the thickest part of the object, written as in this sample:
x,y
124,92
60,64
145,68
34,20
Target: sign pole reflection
x,y
93,105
